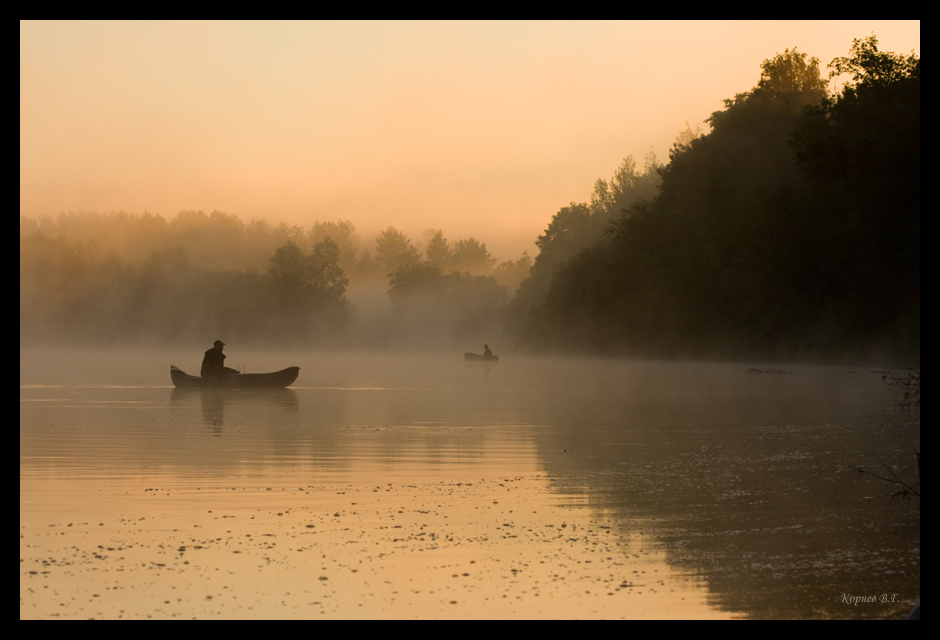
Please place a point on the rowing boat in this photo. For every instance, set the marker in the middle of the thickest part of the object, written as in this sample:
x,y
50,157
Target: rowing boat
x,y
477,357
273,380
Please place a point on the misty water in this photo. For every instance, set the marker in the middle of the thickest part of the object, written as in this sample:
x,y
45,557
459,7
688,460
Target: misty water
x,y
397,485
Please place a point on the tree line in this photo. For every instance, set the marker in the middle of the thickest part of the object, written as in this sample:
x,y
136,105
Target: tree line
x,y
220,240
790,229
138,277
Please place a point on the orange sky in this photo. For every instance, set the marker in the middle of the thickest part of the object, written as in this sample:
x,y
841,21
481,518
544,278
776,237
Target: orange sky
x,y
477,128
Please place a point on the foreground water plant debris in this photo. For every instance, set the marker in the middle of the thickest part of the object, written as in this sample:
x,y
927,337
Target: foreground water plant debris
x,y
907,390
907,490
906,387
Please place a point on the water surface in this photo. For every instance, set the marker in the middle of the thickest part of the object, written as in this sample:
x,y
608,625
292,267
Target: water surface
x,y
397,485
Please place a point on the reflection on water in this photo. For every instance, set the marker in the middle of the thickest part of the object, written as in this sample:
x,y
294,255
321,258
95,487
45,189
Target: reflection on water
x,y
214,401
381,485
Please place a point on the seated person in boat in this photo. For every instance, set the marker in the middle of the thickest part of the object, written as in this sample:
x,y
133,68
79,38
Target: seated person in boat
x,y
213,363
486,351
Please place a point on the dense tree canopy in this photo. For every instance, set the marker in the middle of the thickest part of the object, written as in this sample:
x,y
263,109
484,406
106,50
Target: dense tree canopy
x,y
438,252
790,229
860,150
317,274
572,230
471,256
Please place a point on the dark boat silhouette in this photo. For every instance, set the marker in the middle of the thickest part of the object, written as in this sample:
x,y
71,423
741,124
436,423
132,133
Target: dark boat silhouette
x,y
274,380
477,357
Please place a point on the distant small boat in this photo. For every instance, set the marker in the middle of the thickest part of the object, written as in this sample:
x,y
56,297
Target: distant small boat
x,y
274,380
477,357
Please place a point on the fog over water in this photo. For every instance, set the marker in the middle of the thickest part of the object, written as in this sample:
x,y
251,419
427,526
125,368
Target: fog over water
x,y
403,485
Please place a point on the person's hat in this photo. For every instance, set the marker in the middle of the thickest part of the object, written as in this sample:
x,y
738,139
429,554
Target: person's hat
x,y
219,342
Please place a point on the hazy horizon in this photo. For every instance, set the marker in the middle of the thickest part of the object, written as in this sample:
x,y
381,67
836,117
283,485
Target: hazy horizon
x,y
481,129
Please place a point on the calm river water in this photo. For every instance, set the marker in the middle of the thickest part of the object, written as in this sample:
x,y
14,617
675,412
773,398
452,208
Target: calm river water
x,y
393,485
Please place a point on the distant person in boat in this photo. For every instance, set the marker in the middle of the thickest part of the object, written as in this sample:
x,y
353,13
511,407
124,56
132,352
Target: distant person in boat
x,y
213,363
486,351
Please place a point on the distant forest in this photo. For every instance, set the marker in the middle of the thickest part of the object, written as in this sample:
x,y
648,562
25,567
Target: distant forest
x,y
790,230
130,278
